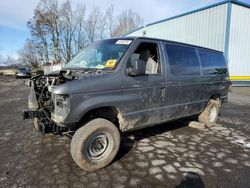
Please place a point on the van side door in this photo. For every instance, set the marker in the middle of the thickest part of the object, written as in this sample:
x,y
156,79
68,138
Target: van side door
x,y
184,91
144,95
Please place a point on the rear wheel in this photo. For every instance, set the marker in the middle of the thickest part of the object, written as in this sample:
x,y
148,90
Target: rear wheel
x,y
210,114
95,145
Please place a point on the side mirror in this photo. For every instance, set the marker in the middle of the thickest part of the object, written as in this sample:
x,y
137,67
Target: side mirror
x,y
137,69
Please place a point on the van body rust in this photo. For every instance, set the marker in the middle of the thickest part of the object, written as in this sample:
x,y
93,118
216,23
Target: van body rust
x,y
121,84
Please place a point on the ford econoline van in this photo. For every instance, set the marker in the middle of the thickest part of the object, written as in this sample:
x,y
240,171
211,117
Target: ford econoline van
x,y
123,84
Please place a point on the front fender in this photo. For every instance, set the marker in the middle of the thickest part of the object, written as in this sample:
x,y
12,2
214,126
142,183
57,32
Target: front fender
x,y
80,104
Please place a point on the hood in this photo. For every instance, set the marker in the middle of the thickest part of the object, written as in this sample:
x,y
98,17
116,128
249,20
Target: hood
x,y
91,83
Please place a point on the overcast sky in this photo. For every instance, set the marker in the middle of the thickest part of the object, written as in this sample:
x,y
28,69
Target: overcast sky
x,y
14,15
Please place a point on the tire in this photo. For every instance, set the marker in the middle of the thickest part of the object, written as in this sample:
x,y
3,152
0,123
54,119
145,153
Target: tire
x,y
95,145
36,123
210,114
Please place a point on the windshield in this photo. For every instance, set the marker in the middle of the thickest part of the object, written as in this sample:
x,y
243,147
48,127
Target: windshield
x,y
100,55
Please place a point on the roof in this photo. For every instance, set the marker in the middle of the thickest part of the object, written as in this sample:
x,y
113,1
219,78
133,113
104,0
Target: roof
x,y
170,41
194,11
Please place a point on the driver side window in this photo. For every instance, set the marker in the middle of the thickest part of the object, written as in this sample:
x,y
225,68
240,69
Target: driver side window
x,y
146,56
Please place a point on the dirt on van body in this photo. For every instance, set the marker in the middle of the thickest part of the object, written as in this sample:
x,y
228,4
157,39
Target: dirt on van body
x,y
168,155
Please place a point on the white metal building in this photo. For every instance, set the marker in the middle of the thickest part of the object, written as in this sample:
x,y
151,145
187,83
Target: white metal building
x,y
224,26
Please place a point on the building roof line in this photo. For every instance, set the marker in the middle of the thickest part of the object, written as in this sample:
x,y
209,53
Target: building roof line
x,y
193,11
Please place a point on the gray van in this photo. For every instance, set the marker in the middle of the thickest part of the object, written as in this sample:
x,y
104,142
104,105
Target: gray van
x,y
123,84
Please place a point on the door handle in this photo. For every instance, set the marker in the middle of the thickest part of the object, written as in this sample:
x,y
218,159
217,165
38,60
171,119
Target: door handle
x,y
163,92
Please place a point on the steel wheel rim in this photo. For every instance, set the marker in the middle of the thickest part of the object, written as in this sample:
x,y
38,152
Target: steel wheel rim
x,y
212,114
99,146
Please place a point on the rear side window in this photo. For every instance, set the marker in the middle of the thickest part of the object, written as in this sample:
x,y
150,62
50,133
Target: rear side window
x,y
212,62
183,60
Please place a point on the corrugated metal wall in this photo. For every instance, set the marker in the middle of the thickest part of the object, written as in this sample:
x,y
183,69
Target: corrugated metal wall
x,y
203,28
239,43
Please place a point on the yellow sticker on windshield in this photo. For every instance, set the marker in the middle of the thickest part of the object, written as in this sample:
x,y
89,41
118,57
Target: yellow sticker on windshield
x,y
110,63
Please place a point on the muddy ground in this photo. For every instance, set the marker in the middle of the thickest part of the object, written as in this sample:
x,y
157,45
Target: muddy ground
x,y
168,155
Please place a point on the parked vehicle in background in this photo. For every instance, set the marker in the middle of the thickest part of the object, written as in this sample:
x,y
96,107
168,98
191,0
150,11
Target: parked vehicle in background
x,y
122,84
23,72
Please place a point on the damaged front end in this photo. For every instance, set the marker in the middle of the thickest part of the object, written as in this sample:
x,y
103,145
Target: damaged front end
x,y
49,110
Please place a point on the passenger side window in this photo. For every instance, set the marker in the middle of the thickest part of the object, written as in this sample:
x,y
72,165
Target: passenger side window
x,y
147,55
183,60
212,62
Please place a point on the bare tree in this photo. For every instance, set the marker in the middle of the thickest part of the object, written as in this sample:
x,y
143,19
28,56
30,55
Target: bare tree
x,y
79,39
102,26
111,22
92,23
49,13
39,35
10,60
127,21
67,28
28,54
58,31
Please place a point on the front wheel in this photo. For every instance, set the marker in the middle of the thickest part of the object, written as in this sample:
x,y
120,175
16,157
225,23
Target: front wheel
x,y
95,145
210,114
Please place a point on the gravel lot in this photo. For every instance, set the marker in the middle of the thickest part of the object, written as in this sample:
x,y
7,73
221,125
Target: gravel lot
x,y
168,155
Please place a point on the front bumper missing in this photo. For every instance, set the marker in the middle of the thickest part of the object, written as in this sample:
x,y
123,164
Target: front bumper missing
x,y
48,127
32,114
44,125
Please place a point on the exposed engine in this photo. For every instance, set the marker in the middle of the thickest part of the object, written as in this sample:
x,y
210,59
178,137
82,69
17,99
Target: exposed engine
x,y
44,85
41,100
48,108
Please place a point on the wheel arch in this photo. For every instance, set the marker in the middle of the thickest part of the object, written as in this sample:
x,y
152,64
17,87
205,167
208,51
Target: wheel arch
x,y
110,113
216,97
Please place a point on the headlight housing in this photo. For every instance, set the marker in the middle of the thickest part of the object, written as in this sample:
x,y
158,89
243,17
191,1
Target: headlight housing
x,y
61,108
61,101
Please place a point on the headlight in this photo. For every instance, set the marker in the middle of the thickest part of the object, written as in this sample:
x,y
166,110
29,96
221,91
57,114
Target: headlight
x,y
61,101
61,108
